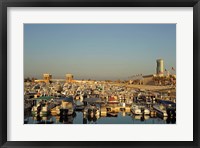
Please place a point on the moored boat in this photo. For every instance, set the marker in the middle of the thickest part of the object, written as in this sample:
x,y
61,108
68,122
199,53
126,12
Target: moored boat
x,y
161,110
67,107
36,109
91,110
79,105
113,100
136,110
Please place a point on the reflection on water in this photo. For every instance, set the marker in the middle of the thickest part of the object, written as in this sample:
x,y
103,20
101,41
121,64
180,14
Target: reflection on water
x,y
114,118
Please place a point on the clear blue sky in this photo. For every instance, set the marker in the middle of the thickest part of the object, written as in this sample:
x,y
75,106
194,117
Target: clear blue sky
x,y
97,51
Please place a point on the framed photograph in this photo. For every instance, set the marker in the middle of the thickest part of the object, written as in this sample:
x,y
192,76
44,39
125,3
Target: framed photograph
x,y
99,73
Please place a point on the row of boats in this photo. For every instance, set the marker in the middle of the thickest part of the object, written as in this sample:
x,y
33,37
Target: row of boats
x,y
64,106
67,107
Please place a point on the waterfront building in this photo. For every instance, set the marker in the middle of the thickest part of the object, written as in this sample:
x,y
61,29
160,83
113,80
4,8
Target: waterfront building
x,y
69,78
47,77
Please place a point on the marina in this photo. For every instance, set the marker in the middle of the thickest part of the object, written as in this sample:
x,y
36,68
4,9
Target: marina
x,y
98,102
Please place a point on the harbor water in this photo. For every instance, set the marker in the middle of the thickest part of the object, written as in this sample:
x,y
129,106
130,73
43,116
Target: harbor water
x,y
119,118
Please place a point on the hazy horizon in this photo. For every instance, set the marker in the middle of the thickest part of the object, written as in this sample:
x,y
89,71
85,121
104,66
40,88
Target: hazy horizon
x,y
97,51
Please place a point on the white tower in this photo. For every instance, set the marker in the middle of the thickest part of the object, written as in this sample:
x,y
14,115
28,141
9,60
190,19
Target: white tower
x,y
160,67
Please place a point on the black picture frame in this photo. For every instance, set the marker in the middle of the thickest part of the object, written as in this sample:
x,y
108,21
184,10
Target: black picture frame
x,y
4,4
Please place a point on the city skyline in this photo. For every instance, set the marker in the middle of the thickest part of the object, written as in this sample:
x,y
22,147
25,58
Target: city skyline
x,y
97,51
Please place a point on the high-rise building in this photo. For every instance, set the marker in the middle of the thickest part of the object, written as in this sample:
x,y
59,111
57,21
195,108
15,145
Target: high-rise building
x,y
160,67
